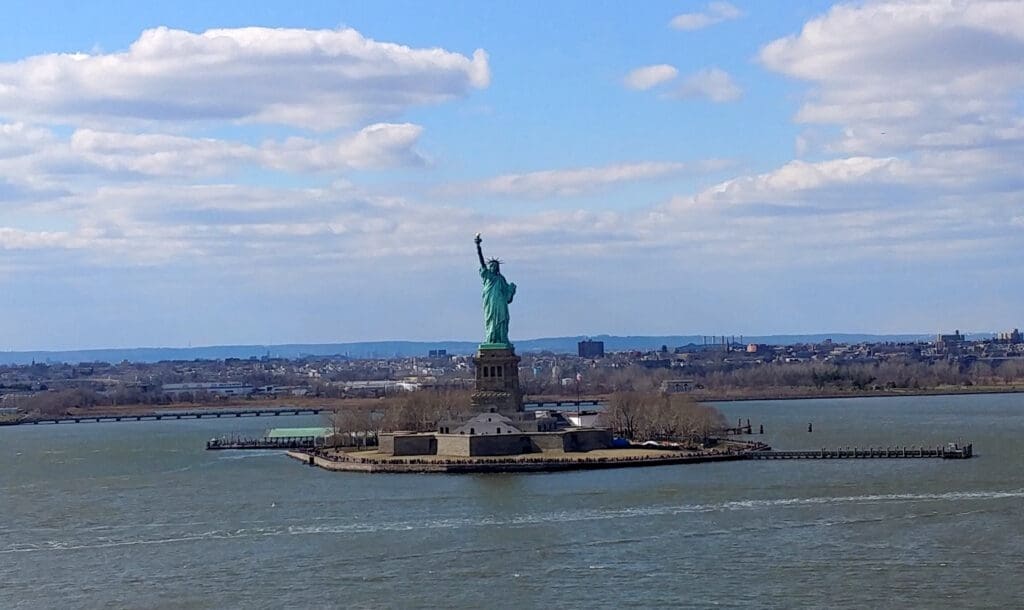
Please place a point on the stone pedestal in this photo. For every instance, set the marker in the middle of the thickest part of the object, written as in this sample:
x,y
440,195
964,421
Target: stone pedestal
x,y
497,380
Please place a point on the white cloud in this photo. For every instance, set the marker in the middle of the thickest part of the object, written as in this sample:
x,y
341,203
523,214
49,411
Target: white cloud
x,y
941,182
230,224
576,181
38,155
925,100
716,12
714,84
15,239
799,214
319,79
650,76
798,182
911,74
377,146
831,212
149,154
18,139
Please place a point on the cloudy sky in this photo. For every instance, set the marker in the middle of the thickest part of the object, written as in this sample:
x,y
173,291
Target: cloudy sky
x,y
211,173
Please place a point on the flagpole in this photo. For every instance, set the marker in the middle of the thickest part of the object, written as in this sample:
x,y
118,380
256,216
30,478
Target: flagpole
x,y
579,418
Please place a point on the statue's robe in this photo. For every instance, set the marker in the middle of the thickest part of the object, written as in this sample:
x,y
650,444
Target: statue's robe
x,y
497,295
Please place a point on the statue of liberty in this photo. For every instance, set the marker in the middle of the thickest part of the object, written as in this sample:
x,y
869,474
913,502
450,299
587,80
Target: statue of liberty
x,y
497,295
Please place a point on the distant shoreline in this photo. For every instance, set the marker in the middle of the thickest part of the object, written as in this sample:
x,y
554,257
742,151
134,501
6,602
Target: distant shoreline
x,y
400,348
335,404
864,394
783,394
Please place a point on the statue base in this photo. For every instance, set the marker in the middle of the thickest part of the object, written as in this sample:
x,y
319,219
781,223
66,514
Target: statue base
x,y
497,379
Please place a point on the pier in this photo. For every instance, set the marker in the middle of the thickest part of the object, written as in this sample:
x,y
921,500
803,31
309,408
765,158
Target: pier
x,y
951,451
220,413
543,404
217,444
200,414
740,429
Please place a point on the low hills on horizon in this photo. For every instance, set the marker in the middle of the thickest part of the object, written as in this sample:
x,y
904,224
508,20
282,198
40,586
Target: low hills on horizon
x,y
387,349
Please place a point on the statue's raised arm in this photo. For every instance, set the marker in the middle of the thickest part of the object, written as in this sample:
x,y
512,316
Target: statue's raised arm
x,y
479,252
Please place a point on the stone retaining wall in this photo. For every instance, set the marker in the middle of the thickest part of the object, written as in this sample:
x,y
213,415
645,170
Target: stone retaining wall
x,y
469,465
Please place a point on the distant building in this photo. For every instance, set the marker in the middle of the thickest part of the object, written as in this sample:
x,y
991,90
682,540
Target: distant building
x,y
590,349
956,337
950,343
438,353
1014,336
376,388
676,386
226,388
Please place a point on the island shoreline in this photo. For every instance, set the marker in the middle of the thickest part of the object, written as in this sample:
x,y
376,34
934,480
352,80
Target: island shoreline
x,y
466,465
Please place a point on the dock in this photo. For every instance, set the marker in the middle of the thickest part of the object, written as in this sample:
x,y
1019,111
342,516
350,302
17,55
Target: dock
x,y
952,451
199,414
542,404
219,444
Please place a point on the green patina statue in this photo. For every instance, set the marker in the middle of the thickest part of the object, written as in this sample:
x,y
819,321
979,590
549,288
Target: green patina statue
x,y
497,295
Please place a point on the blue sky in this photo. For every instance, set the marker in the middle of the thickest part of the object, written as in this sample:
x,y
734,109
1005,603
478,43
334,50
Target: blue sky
x,y
208,173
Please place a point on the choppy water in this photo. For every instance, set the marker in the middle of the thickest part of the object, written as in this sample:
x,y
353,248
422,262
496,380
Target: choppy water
x,y
139,515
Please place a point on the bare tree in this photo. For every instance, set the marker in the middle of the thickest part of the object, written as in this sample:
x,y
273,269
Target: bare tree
x,y
644,416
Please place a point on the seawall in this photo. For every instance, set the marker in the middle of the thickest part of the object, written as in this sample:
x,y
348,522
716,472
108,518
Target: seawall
x,y
507,465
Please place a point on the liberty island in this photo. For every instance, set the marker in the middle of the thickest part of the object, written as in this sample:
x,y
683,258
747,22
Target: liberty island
x,y
496,434
495,425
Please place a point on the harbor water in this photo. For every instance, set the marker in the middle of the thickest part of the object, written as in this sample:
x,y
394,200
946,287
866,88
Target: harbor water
x,y
139,515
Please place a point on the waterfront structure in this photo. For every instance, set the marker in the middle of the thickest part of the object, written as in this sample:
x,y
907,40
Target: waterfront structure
x,y
676,386
227,388
590,349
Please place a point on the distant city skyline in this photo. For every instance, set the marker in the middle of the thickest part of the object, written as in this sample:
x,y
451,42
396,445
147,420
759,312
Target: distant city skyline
x,y
196,174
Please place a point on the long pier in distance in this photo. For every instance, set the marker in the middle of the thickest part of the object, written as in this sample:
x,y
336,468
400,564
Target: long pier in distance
x,y
169,415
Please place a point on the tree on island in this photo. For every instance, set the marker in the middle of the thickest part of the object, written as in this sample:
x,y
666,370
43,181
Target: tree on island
x,y
423,410
351,426
642,416
419,411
